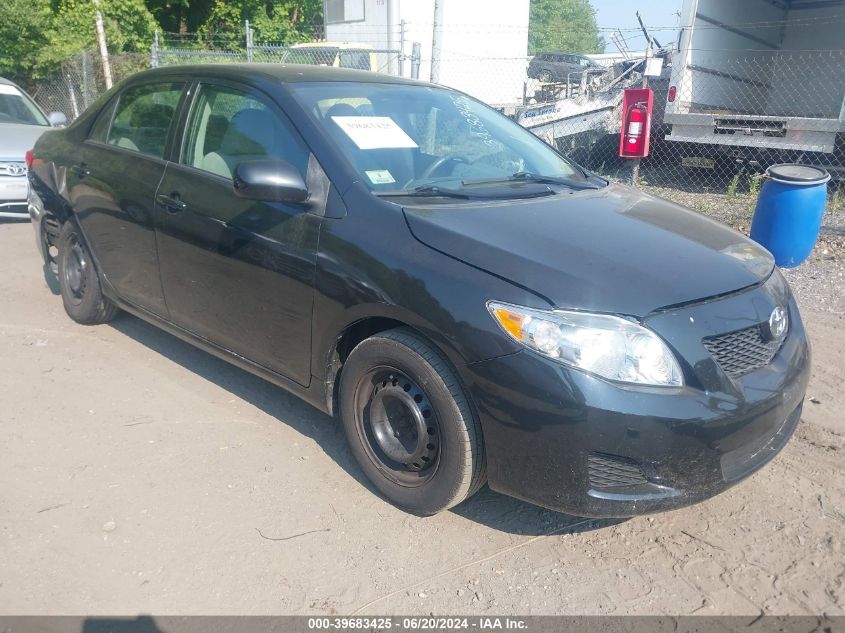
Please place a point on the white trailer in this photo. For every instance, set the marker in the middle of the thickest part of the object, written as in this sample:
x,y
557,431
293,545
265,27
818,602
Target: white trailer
x,y
759,75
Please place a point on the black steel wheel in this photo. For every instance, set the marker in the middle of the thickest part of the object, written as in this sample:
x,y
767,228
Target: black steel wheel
x,y
409,424
79,284
398,423
75,270
545,76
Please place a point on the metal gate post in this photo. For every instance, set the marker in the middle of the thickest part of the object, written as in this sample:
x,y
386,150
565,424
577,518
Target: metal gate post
x,y
154,51
416,49
248,41
402,48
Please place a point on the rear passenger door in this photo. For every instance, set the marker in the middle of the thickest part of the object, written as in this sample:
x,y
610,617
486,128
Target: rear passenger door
x,y
238,272
112,188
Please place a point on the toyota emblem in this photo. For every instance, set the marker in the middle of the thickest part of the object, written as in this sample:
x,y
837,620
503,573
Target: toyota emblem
x,y
778,321
14,169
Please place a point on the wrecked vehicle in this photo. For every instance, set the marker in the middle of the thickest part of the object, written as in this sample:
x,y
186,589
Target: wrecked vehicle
x,y
472,305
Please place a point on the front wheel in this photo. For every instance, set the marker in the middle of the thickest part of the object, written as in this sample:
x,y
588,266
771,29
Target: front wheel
x,y
409,424
79,284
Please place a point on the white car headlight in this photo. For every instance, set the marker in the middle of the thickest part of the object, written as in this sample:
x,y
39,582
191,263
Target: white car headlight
x,y
609,346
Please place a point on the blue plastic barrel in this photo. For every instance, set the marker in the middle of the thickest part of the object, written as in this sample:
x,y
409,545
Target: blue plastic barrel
x,y
789,212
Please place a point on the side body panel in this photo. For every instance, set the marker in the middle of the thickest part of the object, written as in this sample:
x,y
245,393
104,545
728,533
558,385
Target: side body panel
x,y
112,198
239,272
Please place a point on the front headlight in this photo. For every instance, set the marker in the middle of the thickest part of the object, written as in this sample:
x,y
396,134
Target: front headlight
x,y
609,346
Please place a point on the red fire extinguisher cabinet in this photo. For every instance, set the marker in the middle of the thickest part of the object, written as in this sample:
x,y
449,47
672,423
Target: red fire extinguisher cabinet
x,y
634,139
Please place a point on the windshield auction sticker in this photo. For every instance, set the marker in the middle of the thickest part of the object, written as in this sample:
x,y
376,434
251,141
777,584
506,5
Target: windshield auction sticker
x,y
380,176
374,132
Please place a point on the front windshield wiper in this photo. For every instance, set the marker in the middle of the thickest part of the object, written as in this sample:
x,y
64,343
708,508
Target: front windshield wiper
x,y
527,176
423,191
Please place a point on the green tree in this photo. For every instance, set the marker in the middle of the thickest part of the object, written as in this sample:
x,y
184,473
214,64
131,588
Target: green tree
x,y
129,27
36,36
180,16
23,24
563,25
286,21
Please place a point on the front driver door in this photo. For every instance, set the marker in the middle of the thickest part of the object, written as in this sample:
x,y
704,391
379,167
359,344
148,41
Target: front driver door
x,y
237,272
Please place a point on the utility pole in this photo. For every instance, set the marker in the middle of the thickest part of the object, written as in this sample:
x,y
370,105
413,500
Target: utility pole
x,y
436,40
101,40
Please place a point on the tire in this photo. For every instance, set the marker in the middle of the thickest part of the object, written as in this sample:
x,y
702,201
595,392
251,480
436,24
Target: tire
x,y
409,424
545,77
79,284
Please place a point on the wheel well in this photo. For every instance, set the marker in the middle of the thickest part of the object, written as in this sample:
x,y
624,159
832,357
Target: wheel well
x,y
346,342
361,330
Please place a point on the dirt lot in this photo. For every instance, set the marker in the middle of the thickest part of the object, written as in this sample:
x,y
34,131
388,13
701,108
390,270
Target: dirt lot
x,y
140,475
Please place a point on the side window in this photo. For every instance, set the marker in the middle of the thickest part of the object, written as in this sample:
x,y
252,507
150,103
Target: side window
x,y
228,126
100,130
143,117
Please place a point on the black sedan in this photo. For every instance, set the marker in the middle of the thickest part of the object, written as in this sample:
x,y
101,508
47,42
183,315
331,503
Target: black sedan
x,y
472,305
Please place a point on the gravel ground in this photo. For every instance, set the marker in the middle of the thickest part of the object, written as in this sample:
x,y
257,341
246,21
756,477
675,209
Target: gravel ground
x,y
818,283
141,475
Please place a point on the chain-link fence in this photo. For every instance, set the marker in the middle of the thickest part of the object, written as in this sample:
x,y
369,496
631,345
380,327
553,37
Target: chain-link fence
x,y
362,54
720,116
80,81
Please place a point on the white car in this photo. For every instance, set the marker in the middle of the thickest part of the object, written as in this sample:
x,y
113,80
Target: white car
x,y
21,123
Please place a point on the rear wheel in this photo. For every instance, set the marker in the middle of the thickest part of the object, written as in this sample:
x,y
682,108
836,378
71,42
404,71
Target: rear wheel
x,y
409,424
78,282
545,76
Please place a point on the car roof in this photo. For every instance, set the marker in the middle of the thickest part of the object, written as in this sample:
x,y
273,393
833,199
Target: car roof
x,y
286,73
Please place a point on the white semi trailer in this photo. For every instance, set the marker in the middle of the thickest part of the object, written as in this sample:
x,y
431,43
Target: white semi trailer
x,y
760,78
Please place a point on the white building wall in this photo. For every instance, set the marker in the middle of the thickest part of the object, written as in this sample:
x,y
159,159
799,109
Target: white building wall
x,y
485,48
484,43
372,30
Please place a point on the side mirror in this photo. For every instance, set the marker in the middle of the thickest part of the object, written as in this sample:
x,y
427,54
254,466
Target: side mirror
x,y
270,180
57,119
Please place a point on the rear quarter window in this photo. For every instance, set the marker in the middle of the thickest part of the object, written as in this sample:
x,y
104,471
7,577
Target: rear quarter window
x,y
100,129
143,117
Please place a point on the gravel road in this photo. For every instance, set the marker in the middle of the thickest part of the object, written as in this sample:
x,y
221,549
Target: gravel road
x,y
140,475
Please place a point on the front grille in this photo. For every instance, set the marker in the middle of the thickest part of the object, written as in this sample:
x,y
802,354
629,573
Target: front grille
x,y
740,352
15,169
608,471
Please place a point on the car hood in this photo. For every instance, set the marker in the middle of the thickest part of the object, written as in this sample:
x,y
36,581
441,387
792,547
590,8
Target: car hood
x,y
612,250
16,139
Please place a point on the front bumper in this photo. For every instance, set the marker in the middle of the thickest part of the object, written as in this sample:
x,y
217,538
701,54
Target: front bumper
x,y
13,195
575,443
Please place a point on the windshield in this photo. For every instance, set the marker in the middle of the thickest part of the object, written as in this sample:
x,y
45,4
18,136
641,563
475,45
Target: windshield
x,y
16,107
407,138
